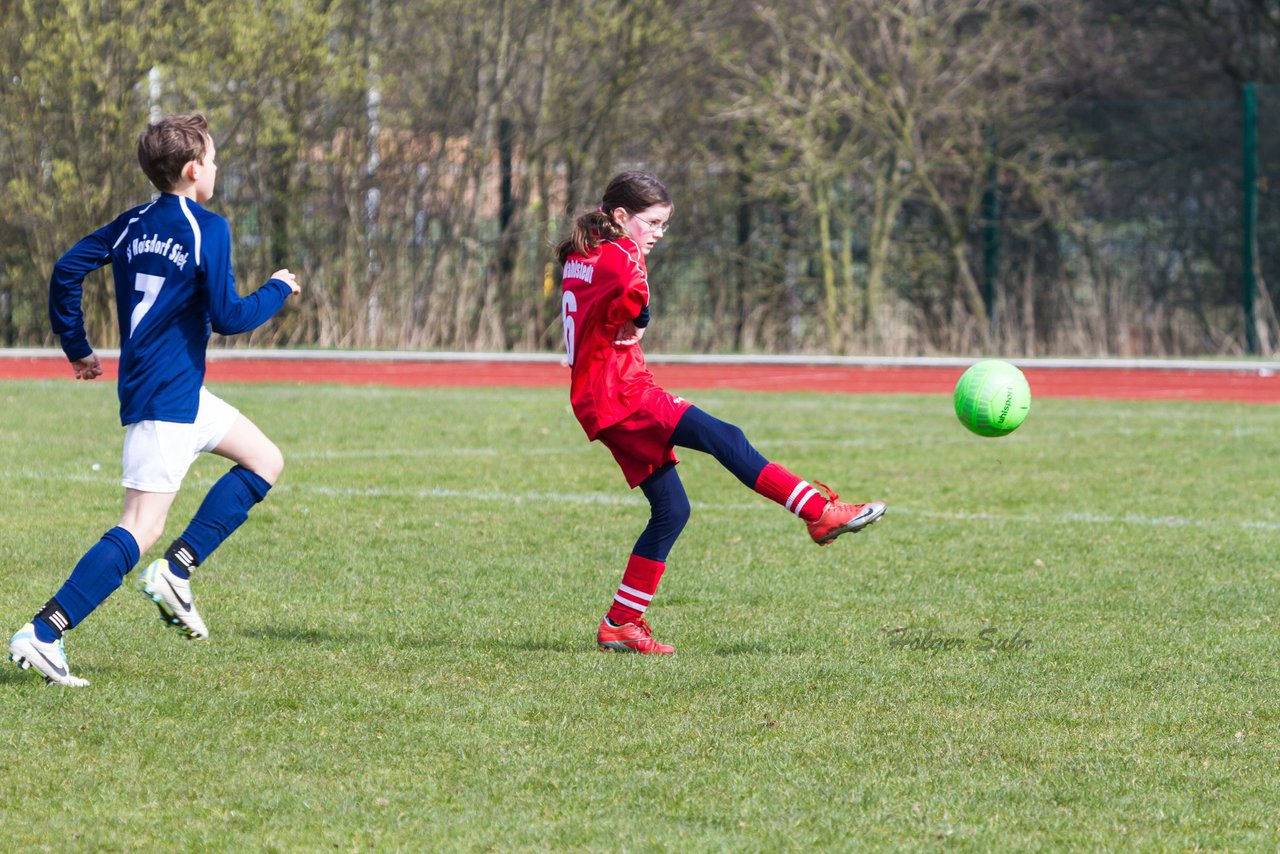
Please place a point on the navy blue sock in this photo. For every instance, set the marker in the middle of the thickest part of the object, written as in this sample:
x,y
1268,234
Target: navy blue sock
x,y
96,576
223,510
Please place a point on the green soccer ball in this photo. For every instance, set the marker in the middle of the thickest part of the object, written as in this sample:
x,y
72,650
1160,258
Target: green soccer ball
x,y
992,398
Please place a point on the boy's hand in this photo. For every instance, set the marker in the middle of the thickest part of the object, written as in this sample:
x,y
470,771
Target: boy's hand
x,y
628,334
289,279
88,368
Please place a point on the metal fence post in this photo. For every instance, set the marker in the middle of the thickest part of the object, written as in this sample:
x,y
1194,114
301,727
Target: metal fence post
x,y
1249,213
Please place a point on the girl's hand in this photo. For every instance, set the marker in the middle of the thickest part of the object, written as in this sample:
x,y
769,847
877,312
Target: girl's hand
x,y
628,334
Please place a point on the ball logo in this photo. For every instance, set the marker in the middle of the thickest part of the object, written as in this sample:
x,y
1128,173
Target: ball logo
x,y
1008,401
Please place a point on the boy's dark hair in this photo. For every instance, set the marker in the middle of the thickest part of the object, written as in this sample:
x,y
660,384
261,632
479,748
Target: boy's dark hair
x,y
168,145
632,191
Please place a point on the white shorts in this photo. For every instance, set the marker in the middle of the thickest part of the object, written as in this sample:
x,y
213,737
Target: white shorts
x,y
157,454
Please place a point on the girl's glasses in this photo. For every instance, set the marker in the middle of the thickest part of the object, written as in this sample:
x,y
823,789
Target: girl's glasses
x,y
655,227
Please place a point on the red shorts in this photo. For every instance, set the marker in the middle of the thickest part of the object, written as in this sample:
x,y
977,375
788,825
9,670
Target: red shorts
x,y
641,442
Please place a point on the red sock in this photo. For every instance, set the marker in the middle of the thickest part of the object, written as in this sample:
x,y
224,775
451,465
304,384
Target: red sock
x,y
778,484
639,583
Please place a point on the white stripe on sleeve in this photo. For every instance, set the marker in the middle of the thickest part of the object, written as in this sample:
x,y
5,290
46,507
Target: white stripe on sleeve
x,y
195,229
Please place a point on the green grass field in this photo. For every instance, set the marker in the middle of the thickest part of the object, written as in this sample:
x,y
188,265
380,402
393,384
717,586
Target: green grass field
x,y
402,645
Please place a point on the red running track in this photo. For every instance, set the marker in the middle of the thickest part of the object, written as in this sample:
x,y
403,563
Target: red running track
x,y
1247,386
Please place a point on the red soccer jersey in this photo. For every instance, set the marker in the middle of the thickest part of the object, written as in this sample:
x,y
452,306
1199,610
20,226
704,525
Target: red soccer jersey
x,y
602,291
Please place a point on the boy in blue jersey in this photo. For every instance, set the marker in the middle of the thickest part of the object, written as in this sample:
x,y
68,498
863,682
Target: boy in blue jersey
x,y
171,263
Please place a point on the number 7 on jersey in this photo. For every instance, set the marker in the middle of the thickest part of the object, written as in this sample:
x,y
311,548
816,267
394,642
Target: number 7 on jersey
x,y
150,286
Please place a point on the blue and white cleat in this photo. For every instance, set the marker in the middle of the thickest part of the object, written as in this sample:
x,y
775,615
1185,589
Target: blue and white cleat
x,y
48,659
172,596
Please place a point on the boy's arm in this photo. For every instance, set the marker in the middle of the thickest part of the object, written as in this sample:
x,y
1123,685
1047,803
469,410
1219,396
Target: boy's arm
x,y
66,286
229,313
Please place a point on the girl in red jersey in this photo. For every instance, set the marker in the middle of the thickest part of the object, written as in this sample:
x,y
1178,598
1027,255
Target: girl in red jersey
x,y
605,309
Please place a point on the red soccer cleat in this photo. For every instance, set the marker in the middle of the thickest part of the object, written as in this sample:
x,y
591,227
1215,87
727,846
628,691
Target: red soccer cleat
x,y
635,636
839,518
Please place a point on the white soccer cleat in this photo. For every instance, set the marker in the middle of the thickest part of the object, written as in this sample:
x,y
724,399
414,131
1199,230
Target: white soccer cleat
x,y
172,596
48,659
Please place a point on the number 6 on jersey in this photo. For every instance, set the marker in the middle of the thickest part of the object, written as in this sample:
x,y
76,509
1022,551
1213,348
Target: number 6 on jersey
x,y
568,305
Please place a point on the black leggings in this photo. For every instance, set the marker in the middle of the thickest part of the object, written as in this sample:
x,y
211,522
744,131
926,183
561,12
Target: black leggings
x,y
668,503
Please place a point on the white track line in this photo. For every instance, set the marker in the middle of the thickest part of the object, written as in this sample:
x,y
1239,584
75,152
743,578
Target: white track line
x,y
1261,366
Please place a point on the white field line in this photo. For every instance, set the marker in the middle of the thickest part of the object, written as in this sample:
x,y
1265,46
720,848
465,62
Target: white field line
x,y
634,499
323,454
423,453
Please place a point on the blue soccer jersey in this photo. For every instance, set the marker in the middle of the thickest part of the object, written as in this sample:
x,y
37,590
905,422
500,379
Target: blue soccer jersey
x,y
171,260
